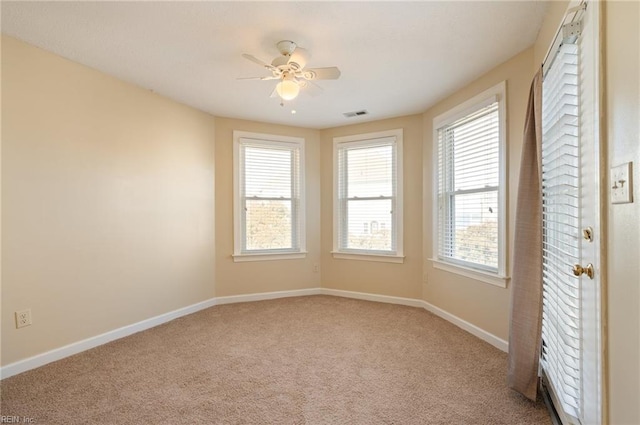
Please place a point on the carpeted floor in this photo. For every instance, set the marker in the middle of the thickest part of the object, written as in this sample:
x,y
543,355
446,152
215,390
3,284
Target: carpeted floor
x,y
306,360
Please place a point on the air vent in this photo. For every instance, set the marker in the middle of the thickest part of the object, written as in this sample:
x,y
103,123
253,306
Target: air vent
x,y
355,114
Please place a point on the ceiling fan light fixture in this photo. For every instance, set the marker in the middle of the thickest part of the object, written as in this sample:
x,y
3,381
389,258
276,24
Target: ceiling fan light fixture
x,y
288,89
289,69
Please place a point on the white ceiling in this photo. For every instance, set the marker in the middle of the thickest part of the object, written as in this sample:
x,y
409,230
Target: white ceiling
x,y
396,58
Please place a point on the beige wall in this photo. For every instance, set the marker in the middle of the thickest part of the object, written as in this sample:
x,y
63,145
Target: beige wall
x,y
107,202
400,280
479,303
264,276
1,130
622,97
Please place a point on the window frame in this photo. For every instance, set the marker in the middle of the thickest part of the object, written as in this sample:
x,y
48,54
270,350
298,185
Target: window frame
x,y
370,139
298,222
497,93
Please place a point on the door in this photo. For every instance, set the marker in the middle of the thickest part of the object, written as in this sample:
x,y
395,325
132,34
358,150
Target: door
x,y
571,355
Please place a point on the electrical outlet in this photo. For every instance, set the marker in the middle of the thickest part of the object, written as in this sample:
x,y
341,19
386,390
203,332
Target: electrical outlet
x,y
316,268
23,318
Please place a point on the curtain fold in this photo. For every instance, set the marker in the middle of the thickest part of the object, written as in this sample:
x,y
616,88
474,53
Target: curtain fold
x,y
526,283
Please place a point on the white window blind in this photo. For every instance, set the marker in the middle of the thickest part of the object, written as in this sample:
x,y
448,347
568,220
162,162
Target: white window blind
x,y
468,189
367,201
269,185
561,318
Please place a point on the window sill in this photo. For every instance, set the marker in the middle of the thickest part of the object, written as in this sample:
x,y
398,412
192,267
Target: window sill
x,y
486,277
382,258
240,258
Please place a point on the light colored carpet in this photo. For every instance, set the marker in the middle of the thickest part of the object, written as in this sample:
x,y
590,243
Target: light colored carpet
x,y
306,360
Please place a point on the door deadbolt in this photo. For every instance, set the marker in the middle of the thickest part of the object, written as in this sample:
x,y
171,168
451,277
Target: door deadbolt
x,y
579,270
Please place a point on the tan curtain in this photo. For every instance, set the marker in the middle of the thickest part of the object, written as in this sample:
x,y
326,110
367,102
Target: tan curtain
x,y
526,282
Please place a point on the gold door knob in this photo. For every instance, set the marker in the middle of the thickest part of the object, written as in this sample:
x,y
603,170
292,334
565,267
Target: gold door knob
x,y
579,270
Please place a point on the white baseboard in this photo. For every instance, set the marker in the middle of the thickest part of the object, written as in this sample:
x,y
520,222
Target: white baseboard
x,y
266,296
86,344
499,343
411,302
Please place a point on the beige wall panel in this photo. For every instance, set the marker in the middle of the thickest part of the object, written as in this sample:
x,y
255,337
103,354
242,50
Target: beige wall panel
x,y
400,280
264,276
623,238
479,303
107,202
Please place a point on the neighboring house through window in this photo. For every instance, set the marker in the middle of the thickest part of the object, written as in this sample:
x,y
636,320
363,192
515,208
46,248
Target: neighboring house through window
x,y
368,197
268,197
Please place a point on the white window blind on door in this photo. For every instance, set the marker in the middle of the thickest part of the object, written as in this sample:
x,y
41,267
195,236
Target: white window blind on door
x,y
561,318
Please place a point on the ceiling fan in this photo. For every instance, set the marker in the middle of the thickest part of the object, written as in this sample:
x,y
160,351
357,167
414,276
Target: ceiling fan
x,y
289,68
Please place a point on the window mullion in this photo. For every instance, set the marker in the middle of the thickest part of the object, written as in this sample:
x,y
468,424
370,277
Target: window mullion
x,y
479,190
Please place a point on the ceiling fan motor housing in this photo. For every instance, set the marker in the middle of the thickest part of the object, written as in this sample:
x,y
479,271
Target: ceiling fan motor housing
x,y
286,47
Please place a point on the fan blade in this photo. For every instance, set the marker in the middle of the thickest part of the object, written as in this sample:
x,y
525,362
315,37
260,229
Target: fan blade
x,y
300,56
331,73
270,77
310,88
279,61
258,61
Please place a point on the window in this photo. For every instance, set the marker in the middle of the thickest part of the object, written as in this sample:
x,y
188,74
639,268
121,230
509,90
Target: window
x,y
470,187
368,197
268,197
